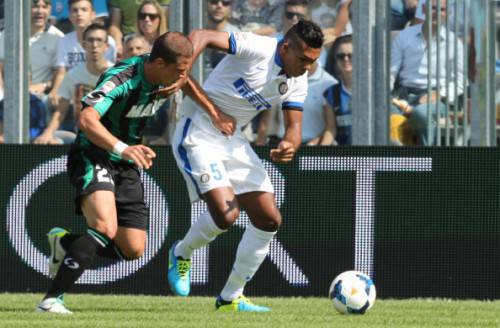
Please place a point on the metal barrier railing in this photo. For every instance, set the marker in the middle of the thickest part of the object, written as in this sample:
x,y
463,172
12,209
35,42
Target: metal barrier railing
x,y
467,120
460,63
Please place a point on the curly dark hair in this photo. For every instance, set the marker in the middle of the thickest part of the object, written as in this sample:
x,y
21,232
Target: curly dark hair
x,y
308,32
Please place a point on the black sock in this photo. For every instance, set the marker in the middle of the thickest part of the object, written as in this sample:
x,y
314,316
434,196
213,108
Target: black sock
x,y
79,256
68,239
110,251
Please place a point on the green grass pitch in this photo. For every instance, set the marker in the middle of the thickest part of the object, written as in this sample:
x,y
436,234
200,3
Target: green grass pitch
x,y
17,310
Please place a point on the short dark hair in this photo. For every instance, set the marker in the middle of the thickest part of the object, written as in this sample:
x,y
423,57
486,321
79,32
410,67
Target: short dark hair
x,y
95,27
303,3
306,31
170,46
71,2
47,2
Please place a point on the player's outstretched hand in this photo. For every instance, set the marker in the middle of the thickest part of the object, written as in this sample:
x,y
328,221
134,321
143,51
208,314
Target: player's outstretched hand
x,y
225,123
283,153
171,89
141,155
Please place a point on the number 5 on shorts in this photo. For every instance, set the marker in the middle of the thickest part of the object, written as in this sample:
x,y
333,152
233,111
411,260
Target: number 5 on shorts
x,y
216,174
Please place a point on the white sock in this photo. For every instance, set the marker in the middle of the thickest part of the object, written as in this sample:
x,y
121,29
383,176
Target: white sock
x,y
202,232
252,250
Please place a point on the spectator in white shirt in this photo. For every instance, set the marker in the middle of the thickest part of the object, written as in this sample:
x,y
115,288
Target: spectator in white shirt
x,y
318,118
69,50
409,71
43,47
79,81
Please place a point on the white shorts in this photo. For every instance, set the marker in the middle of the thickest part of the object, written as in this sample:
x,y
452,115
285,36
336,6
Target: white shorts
x,y
209,160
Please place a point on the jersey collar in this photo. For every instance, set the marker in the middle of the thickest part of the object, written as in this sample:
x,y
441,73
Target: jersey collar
x,y
277,57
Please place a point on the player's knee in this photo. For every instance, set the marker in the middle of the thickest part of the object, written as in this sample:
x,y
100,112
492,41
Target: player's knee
x,y
271,222
132,253
225,220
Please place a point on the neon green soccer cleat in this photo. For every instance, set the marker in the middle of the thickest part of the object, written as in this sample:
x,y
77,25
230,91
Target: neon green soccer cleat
x,y
240,304
57,252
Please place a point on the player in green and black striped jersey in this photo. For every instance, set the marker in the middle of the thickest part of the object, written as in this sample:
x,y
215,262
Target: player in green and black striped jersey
x,y
104,162
125,100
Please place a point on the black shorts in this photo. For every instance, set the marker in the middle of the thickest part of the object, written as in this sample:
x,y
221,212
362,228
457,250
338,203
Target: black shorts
x,y
91,170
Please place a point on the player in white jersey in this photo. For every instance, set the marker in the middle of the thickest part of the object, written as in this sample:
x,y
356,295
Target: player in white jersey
x,y
220,167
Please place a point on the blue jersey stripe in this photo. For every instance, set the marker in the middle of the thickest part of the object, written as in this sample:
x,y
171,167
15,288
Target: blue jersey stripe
x,y
251,95
183,154
232,44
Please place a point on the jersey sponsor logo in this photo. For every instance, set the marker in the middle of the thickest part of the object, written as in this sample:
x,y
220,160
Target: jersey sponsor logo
x,y
254,98
143,110
107,87
283,88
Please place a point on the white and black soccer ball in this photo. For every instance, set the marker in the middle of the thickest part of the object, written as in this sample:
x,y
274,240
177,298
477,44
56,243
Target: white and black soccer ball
x,y
352,292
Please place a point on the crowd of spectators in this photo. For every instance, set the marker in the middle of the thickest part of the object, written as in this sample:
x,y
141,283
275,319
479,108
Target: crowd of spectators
x,y
73,41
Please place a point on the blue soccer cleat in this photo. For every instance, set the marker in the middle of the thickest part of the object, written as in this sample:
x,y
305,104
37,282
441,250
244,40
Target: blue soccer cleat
x,y
179,273
240,304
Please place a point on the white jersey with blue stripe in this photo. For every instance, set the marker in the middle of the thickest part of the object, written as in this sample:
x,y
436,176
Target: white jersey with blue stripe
x,y
252,79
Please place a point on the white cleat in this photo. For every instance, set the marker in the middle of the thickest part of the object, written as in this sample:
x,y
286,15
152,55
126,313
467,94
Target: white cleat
x,y
57,252
53,305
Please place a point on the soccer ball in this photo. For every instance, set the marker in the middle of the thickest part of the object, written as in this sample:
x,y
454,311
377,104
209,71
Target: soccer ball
x,y
352,292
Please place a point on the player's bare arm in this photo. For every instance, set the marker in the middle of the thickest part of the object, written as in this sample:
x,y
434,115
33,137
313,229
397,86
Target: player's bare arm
x,y
89,123
58,78
47,137
290,143
202,39
225,123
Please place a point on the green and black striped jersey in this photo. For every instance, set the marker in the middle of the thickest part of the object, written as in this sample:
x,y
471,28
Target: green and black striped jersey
x,y
123,99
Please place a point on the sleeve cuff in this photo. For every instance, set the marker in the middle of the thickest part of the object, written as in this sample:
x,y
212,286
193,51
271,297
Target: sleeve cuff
x,y
232,44
292,105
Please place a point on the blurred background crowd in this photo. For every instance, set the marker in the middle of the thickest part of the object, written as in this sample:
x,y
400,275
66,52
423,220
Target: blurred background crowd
x,y
73,42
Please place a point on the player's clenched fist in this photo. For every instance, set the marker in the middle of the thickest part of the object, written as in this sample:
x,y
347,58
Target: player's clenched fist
x,y
284,152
